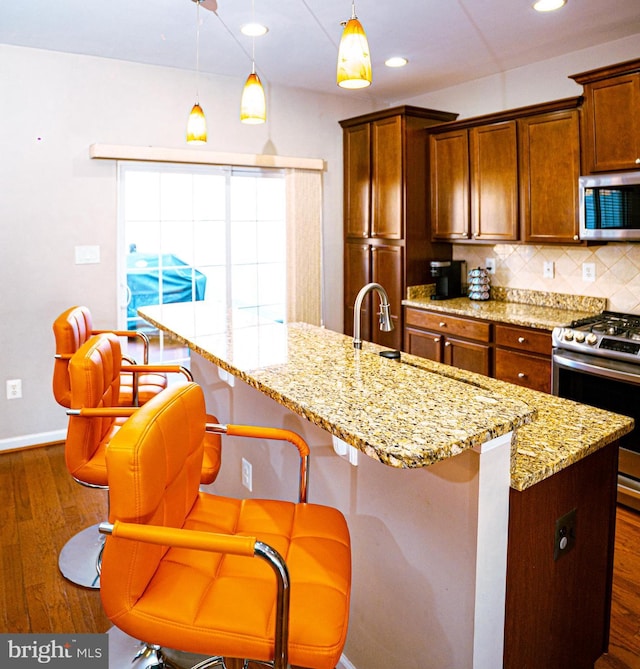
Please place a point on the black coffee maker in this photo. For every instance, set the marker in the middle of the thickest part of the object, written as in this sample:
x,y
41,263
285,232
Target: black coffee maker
x,y
448,278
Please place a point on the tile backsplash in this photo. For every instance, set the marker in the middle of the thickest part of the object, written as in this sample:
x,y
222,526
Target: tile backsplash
x,y
617,269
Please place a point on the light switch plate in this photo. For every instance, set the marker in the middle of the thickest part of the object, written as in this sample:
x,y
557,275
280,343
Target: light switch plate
x,y
490,265
548,269
87,255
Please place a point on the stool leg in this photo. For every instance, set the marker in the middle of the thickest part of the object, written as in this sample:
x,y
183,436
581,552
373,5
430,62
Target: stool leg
x,y
80,557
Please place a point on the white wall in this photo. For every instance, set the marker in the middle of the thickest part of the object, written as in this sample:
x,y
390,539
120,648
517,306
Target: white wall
x,y
53,197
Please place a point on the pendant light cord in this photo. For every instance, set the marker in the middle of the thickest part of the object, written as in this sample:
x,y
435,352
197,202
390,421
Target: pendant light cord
x,y
253,39
198,51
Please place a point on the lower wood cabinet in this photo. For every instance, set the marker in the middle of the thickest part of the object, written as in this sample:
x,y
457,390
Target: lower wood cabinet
x,y
523,356
461,342
510,353
557,610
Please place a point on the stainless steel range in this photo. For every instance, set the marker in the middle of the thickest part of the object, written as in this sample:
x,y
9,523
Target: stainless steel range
x,y
596,361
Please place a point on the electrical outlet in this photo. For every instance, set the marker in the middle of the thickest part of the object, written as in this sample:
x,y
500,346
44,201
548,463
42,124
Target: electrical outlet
x,y
565,536
14,389
247,475
588,271
548,269
490,264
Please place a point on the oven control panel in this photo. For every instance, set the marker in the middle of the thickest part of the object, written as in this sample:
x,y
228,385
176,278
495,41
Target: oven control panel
x,y
596,344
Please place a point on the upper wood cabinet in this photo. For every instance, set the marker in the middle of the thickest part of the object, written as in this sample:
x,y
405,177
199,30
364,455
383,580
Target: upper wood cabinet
x,y
508,176
549,157
386,235
449,184
357,181
474,183
387,152
493,157
611,117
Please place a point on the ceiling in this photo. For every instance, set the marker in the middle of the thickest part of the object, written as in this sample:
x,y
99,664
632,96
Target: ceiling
x,y
446,41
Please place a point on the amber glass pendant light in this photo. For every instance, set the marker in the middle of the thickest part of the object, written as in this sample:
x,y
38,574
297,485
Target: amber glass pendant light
x,y
354,58
253,104
197,124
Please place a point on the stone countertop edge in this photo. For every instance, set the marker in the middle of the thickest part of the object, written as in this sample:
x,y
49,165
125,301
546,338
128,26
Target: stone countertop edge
x,y
549,433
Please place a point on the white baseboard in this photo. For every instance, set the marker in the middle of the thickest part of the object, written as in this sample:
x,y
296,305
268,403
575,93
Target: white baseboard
x,y
345,664
30,440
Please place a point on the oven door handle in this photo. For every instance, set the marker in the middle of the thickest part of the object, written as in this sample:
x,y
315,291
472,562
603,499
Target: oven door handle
x,y
570,362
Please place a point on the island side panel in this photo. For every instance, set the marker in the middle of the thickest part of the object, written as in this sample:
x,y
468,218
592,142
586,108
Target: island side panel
x,y
415,535
557,611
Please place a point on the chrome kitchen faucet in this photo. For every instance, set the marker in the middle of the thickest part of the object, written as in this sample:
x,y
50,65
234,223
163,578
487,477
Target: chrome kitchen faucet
x,y
384,315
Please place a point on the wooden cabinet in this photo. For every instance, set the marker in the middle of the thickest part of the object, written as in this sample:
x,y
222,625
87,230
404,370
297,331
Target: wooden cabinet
x,y
611,117
508,176
449,184
549,156
461,342
474,183
357,181
567,598
523,356
357,273
386,237
510,353
494,182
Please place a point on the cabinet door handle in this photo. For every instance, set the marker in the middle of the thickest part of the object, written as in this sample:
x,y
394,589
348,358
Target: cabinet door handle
x,y
637,161
436,339
442,324
447,343
576,238
522,375
521,340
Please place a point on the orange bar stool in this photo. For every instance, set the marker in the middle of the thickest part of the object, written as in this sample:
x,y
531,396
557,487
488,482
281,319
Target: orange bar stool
x,y
71,329
95,417
184,569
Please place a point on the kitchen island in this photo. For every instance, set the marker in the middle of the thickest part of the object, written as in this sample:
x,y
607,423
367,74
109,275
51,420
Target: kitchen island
x,y
428,504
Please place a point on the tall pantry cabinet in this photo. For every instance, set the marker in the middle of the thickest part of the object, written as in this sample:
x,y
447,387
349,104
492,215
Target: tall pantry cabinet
x,y
386,232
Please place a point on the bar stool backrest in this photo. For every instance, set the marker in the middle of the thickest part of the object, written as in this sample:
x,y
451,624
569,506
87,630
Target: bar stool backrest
x,y
71,329
94,372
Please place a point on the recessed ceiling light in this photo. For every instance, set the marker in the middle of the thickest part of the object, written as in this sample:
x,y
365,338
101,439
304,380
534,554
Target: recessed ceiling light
x,y
254,29
548,5
396,61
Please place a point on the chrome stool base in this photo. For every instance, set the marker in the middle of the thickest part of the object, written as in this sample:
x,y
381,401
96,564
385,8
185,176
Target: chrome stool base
x,y
79,559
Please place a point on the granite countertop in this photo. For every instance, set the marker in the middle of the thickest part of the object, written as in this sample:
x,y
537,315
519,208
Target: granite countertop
x,y
529,308
404,414
562,433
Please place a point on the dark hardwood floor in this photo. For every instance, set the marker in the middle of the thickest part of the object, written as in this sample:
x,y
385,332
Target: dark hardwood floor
x,y
42,507
624,638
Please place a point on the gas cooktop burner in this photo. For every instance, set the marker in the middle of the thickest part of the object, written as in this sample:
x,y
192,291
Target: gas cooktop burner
x,y
609,334
608,329
610,323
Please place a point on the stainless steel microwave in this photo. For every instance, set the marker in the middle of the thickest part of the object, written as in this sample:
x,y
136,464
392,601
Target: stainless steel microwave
x,y
610,206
